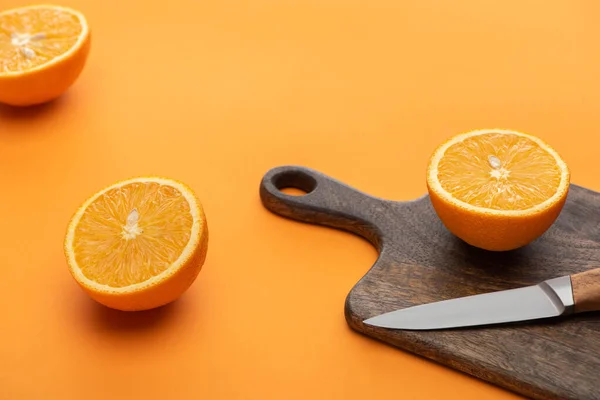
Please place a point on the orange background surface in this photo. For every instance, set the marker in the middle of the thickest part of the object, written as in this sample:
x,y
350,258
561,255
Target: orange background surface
x,y
215,93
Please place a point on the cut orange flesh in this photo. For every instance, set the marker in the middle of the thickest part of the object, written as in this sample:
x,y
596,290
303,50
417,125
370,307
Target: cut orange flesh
x,y
42,51
497,189
138,244
35,37
499,171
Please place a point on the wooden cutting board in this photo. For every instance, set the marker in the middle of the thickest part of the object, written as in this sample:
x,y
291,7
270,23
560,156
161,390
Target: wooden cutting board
x,y
420,261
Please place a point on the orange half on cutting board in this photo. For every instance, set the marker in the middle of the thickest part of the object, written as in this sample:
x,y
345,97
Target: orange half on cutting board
x,y
497,189
137,244
43,49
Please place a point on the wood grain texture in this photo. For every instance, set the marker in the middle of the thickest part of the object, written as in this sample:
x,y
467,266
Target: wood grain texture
x,y
420,261
586,290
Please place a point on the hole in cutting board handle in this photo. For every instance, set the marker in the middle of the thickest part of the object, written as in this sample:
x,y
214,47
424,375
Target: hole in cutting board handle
x,y
292,191
294,183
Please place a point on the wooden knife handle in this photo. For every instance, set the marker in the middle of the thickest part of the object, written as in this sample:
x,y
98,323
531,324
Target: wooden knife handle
x,y
586,290
327,202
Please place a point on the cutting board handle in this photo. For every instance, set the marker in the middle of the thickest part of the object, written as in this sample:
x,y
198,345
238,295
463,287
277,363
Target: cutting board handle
x,y
327,202
586,290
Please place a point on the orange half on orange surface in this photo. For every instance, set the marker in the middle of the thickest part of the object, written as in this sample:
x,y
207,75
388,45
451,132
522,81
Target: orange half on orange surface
x,y
497,189
43,49
137,244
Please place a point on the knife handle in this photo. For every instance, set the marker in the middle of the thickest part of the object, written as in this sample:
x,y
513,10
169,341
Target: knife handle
x,y
327,202
586,290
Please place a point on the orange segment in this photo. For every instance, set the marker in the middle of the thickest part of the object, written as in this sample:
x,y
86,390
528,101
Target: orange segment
x,y
138,244
42,52
497,189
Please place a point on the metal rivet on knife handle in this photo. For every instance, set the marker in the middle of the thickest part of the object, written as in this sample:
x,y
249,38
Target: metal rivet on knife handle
x,y
586,290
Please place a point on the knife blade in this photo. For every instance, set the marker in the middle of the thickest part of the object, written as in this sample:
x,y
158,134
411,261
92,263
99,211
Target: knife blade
x,y
554,297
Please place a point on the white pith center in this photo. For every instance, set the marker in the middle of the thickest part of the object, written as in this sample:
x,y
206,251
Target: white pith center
x,y
498,171
131,230
23,41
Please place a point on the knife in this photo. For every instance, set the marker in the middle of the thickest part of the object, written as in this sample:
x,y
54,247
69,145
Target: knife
x,y
555,297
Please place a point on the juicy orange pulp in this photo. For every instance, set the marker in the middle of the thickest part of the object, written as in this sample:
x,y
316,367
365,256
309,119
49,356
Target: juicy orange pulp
x,y
30,39
138,244
499,171
43,49
497,189
139,240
